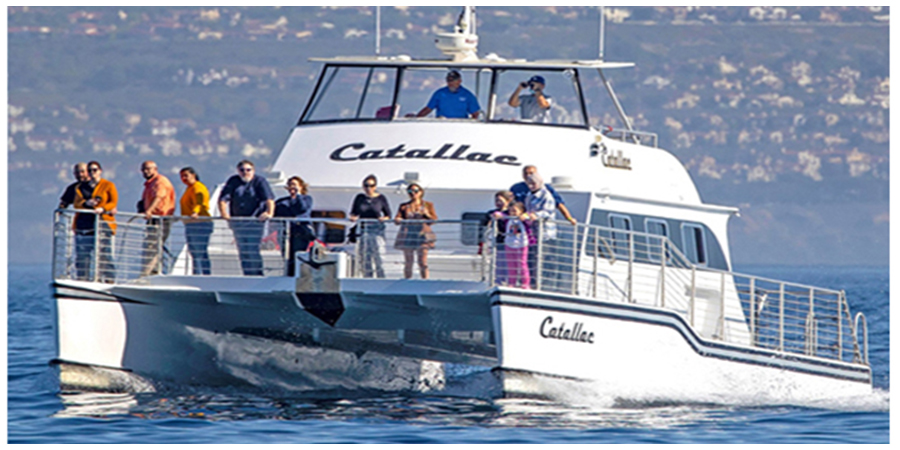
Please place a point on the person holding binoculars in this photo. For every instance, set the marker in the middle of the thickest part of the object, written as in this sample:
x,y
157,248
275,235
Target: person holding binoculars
x,y
535,105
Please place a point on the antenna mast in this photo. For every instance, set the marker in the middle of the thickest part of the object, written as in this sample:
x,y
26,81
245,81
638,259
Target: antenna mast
x,y
602,24
377,30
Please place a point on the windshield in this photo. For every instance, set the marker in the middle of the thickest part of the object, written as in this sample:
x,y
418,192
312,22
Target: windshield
x,y
355,93
539,97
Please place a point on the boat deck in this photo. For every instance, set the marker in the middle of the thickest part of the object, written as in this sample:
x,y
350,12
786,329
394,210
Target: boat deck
x,y
586,262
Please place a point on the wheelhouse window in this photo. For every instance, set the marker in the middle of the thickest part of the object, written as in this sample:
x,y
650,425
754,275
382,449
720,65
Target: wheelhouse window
x,y
518,99
694,244
419,84
353,93
395,92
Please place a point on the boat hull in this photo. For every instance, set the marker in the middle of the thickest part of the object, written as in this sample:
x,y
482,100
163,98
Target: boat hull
x,y
269,339
647,354
383,339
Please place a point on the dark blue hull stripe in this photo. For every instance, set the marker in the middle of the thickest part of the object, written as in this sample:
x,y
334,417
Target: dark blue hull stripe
x,y
658,317
62,291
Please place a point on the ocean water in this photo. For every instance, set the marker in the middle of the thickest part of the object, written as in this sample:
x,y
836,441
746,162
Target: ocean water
x,y
39,412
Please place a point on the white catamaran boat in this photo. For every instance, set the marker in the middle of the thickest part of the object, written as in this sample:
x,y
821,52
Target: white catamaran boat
x,y
638,297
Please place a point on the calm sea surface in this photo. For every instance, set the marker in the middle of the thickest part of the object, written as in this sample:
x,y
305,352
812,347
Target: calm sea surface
x,y
38,412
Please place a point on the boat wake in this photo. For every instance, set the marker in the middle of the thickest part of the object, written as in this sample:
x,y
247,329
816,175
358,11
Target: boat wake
x,y
593,395
467,394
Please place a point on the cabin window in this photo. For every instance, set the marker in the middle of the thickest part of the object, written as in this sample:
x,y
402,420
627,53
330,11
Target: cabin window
x,y
354,93
327,232
559,86
694,242
620,240
472,231
419,84
654,244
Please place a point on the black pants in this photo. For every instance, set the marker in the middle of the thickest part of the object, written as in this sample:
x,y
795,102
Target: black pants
x,y
299,241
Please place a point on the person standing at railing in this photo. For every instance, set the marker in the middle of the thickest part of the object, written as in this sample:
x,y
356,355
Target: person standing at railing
x,y
102,197
517,240
81,175
159,205
80,172
415,237
521,190
541,208
297,205
197,231
83,225
496,220
374,209
247,195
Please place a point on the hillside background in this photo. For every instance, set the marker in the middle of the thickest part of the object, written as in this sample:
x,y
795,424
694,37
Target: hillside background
x,y
782,112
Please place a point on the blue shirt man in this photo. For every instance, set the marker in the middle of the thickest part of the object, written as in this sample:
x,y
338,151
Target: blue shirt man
x,y
247,195
521,191
452,101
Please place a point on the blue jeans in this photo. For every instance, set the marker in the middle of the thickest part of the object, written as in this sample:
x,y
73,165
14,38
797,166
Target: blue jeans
x,y
371,254
248,237
84,254
197,236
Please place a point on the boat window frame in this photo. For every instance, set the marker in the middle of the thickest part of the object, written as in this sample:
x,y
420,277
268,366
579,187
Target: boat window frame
x,y
489,110
327,232
471,230
701,249
628,233
652,255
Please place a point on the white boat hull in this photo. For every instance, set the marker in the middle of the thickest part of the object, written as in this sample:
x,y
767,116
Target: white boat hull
x,y
386,338
646,354
384,341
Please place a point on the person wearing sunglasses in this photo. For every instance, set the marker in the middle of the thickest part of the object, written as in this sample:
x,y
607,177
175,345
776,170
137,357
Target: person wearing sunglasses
x,y
101,197
247,195
452,101
374,209
415,237
298,204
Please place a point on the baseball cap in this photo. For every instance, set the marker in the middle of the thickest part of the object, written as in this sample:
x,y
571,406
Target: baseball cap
x,y
453,75
537,79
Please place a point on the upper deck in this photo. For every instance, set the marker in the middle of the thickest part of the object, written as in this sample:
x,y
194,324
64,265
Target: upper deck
x,y
361,120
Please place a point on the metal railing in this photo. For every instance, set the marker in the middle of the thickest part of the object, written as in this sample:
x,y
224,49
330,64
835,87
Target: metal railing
x,y
582,260
636,137
648,269
131,247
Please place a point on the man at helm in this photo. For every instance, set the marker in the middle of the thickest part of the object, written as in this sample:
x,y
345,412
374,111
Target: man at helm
x,y
452,101
535,105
